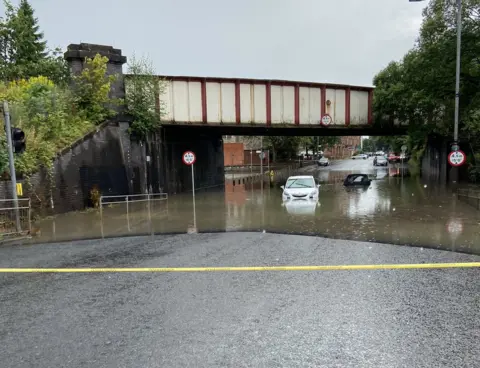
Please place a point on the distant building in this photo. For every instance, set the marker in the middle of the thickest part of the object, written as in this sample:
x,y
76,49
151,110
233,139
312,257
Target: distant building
x,y
241,150
344,149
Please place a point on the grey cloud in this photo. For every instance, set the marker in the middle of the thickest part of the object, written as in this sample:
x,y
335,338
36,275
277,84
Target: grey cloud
x,y
342,41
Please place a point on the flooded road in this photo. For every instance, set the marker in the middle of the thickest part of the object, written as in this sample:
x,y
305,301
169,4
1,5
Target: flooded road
x,y
395,208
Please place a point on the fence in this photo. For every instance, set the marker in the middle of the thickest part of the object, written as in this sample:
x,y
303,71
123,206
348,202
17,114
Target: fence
x,y
8,217
134,211
469,196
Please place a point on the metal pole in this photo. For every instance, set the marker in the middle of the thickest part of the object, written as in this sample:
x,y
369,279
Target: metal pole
x,y
128,215
193,197
251,162
261,159
233,170
457,74
13,177
268,160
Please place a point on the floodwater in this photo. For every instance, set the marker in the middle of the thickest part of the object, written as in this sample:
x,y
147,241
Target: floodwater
x,y
395,208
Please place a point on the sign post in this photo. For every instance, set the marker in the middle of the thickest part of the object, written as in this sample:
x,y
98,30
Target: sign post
x,y
189,159
402,156
13,177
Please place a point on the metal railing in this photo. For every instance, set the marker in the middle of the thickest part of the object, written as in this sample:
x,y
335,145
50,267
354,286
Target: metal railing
x,y
125,199
9,213
470,196
139,208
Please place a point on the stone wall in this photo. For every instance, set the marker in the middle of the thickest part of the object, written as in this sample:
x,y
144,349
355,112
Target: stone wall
x,y
435,161
98,159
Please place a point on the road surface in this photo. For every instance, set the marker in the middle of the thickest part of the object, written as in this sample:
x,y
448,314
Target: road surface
x,y
389,318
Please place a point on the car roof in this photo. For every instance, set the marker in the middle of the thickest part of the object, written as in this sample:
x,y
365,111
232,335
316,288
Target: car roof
x,y
301,177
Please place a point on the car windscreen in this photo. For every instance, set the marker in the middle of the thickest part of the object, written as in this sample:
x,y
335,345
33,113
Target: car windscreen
x,y
300,183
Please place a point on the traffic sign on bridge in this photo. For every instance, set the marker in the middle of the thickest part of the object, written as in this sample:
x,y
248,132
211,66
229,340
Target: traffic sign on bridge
x,y
457,158
326,120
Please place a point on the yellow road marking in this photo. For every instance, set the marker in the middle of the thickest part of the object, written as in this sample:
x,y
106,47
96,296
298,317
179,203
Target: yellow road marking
x,y
245,269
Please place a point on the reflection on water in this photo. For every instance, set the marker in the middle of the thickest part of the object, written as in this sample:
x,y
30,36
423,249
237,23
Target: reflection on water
x,y
301,206
393,209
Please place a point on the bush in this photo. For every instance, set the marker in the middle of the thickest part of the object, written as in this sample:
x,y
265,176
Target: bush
x,y
44,112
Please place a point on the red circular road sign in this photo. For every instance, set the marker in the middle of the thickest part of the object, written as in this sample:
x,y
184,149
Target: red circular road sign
x,y
326,120
189,158
457,158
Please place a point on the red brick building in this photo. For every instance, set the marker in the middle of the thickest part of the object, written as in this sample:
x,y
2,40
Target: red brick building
x,y
345,148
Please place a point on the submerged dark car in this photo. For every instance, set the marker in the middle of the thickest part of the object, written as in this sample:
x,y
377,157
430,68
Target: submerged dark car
x,y
357,180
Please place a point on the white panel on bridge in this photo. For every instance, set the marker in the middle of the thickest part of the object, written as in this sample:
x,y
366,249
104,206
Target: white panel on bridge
x,y
167,102
259,106
180,101
337,106
309,105
277,104
214,103
289,104
330,110
228,102
195,99
358,107
283,104
245,103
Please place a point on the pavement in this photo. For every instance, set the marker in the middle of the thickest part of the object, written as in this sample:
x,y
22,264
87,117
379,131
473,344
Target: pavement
x,y
379,318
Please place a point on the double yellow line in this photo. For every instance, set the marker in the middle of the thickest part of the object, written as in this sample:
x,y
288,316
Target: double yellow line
x,y
245,269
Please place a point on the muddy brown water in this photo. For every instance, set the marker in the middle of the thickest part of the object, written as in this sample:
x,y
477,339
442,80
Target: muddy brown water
x,y
395,208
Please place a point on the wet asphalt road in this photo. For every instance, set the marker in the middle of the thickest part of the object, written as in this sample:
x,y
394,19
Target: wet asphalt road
x,y
390,318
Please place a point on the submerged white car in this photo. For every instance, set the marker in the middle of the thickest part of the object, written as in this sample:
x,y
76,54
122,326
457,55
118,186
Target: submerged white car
x,y
300,187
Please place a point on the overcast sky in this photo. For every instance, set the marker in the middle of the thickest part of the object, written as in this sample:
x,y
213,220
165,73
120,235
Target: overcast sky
x,y
337,41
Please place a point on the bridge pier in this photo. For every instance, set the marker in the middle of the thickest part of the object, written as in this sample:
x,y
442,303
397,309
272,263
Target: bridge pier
x,y
170,174
434,161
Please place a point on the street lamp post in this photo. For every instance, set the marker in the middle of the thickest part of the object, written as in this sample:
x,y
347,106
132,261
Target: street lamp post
x,y
457,73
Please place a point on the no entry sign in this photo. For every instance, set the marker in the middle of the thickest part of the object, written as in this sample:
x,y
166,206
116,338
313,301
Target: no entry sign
x,y
326,120
189,158
457,158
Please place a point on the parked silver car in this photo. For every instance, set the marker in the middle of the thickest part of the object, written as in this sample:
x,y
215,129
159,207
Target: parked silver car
x,y
380,161
324,161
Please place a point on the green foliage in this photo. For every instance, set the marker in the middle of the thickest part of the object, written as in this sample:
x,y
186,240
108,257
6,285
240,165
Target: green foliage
x,y
324,142
288,147
142,103
284,147
43,111
3,155
91,90
369,145
388,143
420,89
22,48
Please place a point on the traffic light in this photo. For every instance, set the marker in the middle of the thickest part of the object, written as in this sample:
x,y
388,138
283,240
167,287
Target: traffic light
x,y
18,140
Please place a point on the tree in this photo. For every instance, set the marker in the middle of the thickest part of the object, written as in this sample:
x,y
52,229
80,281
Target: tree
x,y
420,89
23,51
28,40
284,147
142,98
369,145
91,90
43,111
